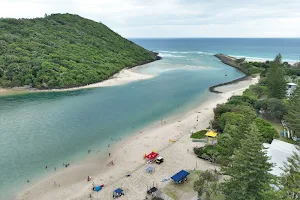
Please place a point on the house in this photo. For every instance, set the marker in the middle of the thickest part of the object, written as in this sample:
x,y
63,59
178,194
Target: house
x,y
279,152
290,89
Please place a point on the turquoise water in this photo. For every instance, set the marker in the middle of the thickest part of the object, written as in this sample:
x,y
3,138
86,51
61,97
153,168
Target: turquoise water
x,y
53,128
252,48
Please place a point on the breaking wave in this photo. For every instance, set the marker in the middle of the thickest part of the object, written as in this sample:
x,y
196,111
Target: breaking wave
x,y
185,52
167,55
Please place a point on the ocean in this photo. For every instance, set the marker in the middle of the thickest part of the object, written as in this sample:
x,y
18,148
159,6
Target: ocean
x,y
49,129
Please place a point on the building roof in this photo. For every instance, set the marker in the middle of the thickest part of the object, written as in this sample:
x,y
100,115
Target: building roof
x,y
279,151
180,176
211,134
291,83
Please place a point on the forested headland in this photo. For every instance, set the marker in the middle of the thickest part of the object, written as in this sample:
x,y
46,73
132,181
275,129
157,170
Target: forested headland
x,y
63,51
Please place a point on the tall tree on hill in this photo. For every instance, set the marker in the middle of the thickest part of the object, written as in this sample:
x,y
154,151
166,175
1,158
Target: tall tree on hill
x,y
293,113
248,172
275,79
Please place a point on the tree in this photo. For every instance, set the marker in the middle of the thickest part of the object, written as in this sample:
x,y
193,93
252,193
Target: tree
x,y
275,79
63,50
225,147
207,184
266,130
248,172
288,186
290,180
272,108
292,117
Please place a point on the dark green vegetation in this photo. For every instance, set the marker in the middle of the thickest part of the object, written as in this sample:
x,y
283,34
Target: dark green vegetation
x,y
257,103
253,68
292,117
275,79
247,171
62,51
199,134
157,198
243,124
207,184
246,67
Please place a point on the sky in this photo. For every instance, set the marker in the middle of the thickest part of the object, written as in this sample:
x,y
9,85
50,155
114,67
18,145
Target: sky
x,y
174,18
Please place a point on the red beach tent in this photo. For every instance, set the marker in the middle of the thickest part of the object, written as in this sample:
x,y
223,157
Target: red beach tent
x,y
152,155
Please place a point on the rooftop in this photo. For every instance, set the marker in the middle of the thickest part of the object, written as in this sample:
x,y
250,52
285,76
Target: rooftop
x,y
279,151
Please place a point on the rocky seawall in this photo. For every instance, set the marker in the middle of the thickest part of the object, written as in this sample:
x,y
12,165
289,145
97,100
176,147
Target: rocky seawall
x,y
231,61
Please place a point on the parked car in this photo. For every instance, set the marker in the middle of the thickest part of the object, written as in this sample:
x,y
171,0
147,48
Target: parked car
x,y
159,160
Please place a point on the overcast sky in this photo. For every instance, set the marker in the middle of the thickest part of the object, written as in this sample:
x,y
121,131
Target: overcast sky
x,y
174,18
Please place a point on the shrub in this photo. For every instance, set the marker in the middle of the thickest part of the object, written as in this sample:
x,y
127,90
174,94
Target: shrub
x,y
254,70
266,130
199,134
207,152
228,118
238,100
222,108
157,198
256,91
272,108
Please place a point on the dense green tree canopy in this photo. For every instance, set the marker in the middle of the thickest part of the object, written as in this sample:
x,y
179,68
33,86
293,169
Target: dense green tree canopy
x,y
207,184
275,79
248,171
272,108
293,113
61,51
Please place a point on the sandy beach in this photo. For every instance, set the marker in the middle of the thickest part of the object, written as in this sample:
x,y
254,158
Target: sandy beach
x,y
127,155
124,76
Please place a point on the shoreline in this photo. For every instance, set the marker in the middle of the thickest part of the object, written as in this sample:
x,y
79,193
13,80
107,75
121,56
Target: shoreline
x,y
122,77
127,156
212,88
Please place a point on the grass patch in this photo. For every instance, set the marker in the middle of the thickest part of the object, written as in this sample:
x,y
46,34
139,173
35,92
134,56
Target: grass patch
x,y
219,196
278,127
179,191
185,190
199,134
170,193
289,140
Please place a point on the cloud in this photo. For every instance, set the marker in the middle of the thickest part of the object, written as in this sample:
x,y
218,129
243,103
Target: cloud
x,y
174,18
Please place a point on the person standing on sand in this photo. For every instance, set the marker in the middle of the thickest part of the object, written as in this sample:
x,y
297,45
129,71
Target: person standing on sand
x,y
109,154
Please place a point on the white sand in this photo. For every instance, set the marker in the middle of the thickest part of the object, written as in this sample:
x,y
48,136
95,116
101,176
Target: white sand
x,y
123,77
291,62
128,157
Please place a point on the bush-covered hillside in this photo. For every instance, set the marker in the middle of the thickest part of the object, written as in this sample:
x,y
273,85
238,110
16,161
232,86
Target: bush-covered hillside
x,y
61,51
